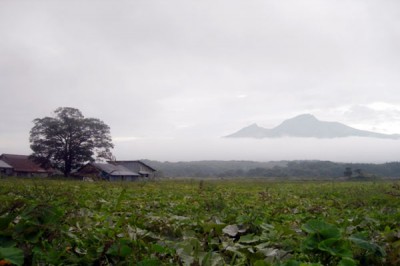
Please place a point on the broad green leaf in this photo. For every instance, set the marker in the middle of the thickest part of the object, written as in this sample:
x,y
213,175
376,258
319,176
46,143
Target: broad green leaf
x,y
124,250
119,249
261,263
368,246
310,243
347,262
5,221
336,247
248,239
218,227
291,263
13,255
7,241
158,248
321,228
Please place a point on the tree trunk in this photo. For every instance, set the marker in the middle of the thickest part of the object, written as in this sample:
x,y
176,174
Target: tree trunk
x,y
67,169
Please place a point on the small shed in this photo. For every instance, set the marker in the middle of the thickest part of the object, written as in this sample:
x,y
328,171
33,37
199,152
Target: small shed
x,y
5,168
106,171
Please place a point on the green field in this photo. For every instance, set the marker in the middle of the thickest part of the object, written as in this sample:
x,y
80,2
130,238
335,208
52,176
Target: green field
x,y
194,222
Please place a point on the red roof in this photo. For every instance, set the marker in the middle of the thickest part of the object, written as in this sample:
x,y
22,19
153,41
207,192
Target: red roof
x,y
22,163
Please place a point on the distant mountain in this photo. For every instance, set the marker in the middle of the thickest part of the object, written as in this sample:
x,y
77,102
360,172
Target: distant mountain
x,y
307,126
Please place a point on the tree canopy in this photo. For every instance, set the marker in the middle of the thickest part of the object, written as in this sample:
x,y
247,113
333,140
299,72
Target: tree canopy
x,y
68,140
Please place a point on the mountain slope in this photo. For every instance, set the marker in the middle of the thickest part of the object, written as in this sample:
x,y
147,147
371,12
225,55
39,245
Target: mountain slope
x,y
253,131
307,126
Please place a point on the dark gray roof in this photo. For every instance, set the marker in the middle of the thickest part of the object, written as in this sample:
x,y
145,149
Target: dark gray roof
x,y
22,163
114,170
3,164
134,165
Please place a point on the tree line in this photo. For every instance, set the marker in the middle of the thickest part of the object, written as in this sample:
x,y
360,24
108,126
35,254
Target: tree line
x,y
277,170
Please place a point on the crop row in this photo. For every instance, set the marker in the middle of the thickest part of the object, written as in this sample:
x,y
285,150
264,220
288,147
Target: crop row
x,y
199,223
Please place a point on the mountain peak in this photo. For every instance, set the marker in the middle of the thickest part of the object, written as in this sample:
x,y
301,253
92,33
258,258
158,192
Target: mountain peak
x,y
300,120
307,126
305,117
254,125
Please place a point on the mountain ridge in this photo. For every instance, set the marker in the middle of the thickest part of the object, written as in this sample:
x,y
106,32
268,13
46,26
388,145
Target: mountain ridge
x,y
307,126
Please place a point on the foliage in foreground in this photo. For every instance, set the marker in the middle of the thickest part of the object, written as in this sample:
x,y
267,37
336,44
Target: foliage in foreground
x,y
199,223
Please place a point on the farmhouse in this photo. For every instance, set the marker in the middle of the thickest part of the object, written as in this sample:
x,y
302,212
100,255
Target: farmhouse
x,y
107,171
139,167
22,165
117,171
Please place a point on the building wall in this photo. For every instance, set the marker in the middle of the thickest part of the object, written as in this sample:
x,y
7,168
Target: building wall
x,y
90,171
29,174
6,171
122,178
137,167
114,178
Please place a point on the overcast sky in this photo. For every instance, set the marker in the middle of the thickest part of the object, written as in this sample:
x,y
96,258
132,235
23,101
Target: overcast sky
x,y
182,71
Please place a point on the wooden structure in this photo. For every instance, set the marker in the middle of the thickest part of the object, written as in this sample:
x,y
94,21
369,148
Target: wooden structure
x,y
144,170
22,165
106,171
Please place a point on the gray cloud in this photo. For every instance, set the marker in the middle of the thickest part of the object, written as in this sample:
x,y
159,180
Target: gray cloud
x,y
154,69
